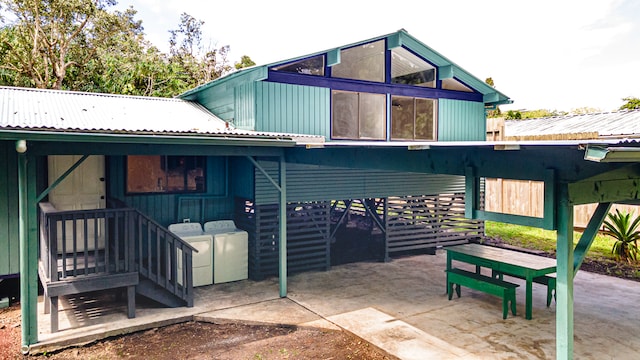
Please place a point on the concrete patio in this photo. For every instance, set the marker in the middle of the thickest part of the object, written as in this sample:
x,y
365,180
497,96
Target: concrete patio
x,y
400,306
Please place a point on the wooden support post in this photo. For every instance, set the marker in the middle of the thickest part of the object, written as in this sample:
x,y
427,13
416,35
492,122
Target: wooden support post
x,y
27,231
283,228
564,284
589,234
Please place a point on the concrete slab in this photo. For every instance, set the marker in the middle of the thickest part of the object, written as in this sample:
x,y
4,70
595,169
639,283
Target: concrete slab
x,y
400,306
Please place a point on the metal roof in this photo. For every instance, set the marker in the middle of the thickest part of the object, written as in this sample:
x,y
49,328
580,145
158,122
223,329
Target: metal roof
x,y
26,109
611,124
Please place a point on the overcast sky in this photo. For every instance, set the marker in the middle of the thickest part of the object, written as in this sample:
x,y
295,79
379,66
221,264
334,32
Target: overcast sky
x,y
544,54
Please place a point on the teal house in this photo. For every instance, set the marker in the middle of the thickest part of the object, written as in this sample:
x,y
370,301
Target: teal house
x,y
365,151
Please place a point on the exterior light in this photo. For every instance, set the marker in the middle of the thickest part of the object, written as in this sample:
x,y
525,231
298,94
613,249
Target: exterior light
x,y
21,146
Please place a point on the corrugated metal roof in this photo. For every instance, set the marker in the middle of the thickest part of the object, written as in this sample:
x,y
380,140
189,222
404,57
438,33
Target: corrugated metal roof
x,y
69,111
611,124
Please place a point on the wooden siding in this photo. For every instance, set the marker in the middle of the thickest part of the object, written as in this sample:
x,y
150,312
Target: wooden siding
x,y
245,107
171,208
311,183
219,97
461,120
293,109
9,240
424,222
307,236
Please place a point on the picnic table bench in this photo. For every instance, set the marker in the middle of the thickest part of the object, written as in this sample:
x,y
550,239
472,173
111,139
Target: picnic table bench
x,y
531,268
487,284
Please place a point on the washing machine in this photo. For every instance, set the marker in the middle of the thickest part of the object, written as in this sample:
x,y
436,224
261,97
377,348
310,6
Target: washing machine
x,y
202,261
230,251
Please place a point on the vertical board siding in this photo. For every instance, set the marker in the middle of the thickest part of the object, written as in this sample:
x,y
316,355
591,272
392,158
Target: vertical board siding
x,y
308,229
311,183
245,107
460,120
292,109
166,209
9,240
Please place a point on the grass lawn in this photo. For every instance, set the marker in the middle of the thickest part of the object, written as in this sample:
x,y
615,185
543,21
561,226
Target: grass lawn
x,y
545,240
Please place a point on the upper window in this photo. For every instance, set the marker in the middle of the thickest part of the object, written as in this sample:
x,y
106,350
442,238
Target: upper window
x,y
453,84
310,66
358,115
413,118
165,174
409,69
363,62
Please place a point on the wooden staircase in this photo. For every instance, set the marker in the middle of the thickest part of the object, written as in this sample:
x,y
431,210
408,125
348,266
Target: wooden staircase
x,y
104,249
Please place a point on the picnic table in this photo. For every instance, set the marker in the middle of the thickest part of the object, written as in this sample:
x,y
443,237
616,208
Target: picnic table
x,y
504,261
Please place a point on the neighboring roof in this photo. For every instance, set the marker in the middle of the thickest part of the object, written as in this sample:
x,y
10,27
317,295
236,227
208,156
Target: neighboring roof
x,y
80,112
619,124
447,68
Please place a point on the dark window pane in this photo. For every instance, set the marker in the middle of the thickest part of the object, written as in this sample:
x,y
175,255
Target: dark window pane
x,y
311,66
345,115
364,62
165,174
425,119
402,113
372,116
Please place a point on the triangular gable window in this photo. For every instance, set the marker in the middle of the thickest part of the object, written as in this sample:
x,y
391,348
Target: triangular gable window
x,y
363,62
310,66
453,84
409,69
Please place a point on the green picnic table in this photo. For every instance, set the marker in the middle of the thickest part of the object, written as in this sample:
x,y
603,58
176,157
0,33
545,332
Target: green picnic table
x,y
504,261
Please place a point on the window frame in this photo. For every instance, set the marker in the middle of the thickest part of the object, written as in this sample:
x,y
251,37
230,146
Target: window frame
x,y
164,167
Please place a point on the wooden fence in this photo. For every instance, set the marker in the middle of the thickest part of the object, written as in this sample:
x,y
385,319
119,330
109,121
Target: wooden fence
x,y
526,198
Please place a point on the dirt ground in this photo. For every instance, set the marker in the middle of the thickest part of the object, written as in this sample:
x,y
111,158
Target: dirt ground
x,y
198,340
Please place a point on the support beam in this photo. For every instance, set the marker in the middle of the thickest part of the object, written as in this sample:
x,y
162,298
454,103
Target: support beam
x,y
564,285
589,234
61,178
283,228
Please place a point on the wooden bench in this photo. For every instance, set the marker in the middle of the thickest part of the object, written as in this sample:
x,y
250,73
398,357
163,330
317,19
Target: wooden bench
x,y
487,284
548,280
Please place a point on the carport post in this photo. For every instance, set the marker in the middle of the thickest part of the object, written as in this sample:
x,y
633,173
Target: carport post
x,y
28,249
283,228
564,285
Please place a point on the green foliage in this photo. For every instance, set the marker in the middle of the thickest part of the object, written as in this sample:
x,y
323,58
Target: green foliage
x,y
83,45
245,61
625,231
513,115
632,103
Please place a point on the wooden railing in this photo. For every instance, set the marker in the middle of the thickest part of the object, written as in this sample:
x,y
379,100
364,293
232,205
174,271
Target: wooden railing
x,y
164,258
76,244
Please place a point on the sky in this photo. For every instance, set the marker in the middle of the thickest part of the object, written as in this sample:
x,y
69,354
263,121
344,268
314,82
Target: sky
x,y
543,54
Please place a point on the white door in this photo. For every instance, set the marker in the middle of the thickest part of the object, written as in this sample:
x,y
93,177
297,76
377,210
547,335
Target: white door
x,y
83,189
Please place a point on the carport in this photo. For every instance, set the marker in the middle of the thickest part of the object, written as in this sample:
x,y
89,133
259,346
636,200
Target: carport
x,y
573,173
566,168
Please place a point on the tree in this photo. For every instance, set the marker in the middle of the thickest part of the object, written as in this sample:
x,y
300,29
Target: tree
x,y
245,61
632,103
624,229
513,115
48,39
495,112
201,64
82,45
